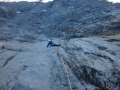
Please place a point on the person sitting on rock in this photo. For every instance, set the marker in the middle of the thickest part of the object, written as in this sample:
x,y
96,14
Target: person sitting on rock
x,y
51,43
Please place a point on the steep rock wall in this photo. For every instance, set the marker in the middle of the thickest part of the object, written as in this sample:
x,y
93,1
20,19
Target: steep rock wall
x,y
94,61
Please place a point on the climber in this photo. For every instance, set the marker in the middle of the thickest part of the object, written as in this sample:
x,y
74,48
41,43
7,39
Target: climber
x,y
51,43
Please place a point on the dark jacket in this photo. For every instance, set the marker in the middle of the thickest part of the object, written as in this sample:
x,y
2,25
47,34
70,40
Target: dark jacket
x,y
51,43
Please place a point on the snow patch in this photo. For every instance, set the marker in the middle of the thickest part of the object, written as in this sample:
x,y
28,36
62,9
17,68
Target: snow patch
x,y
43,1
46,1
114,1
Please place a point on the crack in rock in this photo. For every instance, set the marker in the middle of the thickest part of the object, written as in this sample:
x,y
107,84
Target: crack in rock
x,y
9,59
106,57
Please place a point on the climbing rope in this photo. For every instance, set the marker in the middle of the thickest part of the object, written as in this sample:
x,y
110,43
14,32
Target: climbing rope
x,y
66,71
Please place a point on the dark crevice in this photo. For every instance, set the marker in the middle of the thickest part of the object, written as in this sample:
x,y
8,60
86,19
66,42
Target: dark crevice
x,y
106,57
114,40
102,48
3,87
10,58
18,50
2,51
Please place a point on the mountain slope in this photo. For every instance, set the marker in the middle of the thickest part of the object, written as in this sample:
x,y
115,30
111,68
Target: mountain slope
x,y
69,18
89,34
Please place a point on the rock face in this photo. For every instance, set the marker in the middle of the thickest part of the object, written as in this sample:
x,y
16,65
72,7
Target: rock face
x,y
95,61
32,66
91,63
69,18
89,35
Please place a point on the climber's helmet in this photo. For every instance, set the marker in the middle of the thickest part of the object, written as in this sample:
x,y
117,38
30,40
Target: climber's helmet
x,y
49,40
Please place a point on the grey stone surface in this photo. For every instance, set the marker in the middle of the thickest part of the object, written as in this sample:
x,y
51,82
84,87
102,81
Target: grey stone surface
x,y
62,18
93,63
32,66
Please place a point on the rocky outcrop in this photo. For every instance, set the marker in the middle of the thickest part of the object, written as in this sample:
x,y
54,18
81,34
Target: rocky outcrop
x,y
94,61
